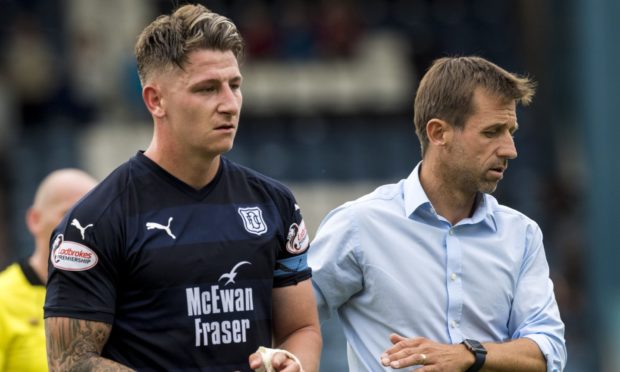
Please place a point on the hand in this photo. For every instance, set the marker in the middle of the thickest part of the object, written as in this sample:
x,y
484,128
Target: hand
x,y
420,351
278,361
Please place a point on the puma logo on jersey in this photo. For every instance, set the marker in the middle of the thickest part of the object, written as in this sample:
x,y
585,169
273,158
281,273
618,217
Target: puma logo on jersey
x,y
232,274
157,226
77,224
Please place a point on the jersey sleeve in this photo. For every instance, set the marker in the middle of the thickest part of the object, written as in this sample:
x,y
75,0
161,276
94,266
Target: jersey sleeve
x,y
292,259
84,265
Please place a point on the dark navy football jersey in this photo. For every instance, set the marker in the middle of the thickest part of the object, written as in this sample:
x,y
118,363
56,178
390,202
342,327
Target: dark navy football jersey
x,y
184,276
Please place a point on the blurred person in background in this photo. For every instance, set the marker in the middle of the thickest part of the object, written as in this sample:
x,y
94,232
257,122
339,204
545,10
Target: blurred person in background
x,y
432,272
22,284
182,259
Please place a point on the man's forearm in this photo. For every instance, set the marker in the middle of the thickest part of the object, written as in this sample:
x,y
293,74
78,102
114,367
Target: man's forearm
x,y
75,345
522,354
88,363
306,344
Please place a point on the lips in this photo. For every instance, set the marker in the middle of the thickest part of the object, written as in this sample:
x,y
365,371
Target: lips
x,y
498,171
225,127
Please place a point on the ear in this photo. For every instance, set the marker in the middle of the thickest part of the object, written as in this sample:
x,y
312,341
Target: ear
x,y
438,132
152,97
33,221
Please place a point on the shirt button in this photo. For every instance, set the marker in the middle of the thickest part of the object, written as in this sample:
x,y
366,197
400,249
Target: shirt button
x,y
451,232
453,276
453,324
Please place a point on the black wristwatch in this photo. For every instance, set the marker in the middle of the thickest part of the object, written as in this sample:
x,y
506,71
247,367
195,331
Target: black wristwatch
x,y
479,352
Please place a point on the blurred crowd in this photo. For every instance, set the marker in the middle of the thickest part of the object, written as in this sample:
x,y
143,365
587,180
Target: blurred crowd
x,y
67,66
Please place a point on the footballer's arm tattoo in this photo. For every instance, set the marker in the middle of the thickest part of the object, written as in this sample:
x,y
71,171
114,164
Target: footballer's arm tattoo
x,y
76,345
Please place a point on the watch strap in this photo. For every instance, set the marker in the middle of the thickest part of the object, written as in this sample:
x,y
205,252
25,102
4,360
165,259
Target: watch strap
x,y
480,356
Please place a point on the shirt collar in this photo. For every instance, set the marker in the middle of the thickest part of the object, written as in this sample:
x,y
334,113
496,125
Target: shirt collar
x,y
29,273
414,194
416,200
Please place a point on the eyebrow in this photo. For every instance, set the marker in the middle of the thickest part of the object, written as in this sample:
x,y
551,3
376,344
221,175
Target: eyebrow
x,y
217,80
503,125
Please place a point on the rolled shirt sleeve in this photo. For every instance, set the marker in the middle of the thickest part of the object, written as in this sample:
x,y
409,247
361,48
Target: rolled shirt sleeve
x,y
535,314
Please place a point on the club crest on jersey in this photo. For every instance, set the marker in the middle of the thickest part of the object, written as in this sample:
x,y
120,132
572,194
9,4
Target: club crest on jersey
x,y
253,220
72,256
297,239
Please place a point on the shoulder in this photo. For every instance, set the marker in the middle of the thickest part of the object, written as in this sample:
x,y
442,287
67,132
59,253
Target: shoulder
x,y
8,274
383,198
385,202
102,210
11,281
510,214
98,201
255,179
507,217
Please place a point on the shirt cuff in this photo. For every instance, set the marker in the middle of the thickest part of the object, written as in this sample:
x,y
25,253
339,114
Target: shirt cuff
x,y
555,362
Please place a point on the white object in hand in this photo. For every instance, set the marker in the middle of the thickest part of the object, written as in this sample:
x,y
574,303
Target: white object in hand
x,y
267,353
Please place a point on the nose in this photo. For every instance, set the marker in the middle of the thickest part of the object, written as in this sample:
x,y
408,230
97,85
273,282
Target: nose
x,y
230,101
507,149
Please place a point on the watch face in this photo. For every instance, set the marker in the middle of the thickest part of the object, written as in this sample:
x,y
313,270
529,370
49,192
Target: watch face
x,y
475,346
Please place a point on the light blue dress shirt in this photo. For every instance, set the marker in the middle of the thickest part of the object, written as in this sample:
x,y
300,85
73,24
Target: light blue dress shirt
x,y
387,263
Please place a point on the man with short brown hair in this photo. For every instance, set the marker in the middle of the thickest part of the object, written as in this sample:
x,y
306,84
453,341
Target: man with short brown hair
x,y
432,271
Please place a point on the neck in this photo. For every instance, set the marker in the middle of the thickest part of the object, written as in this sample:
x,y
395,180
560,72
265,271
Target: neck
x,y
195,171
447,200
